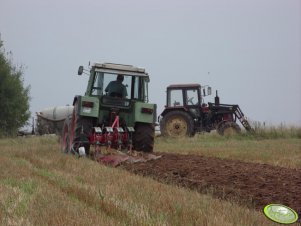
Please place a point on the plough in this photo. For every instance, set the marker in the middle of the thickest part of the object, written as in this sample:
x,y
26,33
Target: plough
x,y
111,145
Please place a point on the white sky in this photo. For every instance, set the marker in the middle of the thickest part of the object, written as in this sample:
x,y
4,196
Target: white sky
x,y
250,50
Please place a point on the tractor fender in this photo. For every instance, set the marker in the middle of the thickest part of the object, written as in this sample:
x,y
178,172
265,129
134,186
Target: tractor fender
x,y
167,110
145,112
87,105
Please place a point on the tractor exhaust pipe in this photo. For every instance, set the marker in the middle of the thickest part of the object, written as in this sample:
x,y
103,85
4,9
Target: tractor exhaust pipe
x,y
216,99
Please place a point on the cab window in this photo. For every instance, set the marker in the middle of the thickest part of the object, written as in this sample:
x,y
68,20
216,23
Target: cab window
x,y
175,98
192,97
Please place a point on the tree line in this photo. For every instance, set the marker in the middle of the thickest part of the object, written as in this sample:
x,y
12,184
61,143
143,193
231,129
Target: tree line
x,y
14,96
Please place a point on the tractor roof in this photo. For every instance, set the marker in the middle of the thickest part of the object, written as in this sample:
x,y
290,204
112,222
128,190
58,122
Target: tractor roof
x,y
181,86
119,69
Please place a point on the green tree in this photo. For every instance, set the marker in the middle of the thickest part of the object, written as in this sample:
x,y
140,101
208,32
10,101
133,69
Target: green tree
x,y
14,97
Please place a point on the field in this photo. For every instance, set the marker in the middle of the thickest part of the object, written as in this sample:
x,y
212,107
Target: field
x,y
204,180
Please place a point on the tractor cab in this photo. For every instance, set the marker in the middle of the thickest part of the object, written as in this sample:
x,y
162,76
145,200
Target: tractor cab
x,y
132,86
188,96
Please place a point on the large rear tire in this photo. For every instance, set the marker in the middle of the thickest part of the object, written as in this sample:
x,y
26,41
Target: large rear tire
x,y
80,130
177,124
143,137
228,129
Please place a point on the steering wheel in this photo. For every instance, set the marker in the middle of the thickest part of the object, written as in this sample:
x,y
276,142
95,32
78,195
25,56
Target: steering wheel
x,y
115,94
189,100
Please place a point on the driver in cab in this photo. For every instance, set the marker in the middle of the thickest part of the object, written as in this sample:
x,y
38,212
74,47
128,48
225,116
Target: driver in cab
x,y
116,88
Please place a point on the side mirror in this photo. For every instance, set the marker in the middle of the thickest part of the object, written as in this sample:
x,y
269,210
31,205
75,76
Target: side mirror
x,y
209,90
80,70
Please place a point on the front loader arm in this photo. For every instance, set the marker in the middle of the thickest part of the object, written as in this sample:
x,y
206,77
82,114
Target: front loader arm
x,y
233,109
238,113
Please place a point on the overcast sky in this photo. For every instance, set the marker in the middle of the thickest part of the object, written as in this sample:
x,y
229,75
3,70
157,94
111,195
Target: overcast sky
x,y
249,50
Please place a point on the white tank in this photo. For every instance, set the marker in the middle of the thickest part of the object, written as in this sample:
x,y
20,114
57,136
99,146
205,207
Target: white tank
x,y
57,113
51,120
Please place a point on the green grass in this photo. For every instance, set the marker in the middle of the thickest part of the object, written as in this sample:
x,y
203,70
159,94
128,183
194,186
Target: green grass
x,y
39,185
280,151
274,132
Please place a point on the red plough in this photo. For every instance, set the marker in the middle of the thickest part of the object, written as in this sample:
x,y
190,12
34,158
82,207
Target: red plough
x,y
113,145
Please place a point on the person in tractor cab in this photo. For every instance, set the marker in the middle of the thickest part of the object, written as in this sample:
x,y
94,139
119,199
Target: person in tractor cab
x,y
116,88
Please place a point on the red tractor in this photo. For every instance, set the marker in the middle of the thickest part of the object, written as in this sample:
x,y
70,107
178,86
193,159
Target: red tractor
x,y
186,113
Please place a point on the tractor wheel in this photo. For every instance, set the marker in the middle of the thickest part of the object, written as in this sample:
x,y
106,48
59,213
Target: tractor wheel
x,y
228,129
143,138
80,129
65,139
177,124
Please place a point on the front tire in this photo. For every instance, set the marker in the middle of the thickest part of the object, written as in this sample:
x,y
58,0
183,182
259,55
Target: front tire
x,y
177,124
228,129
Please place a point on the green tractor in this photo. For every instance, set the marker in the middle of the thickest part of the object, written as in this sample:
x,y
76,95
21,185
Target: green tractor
x,y
113,113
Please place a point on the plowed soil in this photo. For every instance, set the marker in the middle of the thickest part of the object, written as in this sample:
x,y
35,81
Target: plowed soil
x,y
251,184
